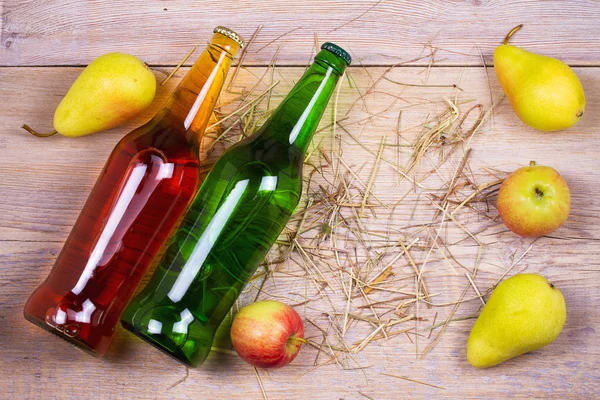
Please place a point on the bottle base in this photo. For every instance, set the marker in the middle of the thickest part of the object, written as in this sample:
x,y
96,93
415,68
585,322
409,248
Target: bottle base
x,y
73,340
177,355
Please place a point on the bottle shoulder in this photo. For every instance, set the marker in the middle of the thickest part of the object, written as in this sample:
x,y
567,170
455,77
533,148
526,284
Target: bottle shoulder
x,y
159,137
260,168
271,151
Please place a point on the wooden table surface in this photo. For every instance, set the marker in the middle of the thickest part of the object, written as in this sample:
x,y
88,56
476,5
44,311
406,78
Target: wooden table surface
x,y
432,45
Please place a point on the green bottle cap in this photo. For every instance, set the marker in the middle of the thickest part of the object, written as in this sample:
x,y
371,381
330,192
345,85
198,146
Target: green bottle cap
x,y
338,51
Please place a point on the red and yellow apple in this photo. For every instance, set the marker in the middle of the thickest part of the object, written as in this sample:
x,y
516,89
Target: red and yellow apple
x,y
267,334
534,201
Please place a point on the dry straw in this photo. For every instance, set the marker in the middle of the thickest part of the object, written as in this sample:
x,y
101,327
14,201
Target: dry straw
x,y
385,225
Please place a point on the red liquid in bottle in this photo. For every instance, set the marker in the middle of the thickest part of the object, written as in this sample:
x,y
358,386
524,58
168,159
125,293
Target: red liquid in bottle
x,y
140,196
114,241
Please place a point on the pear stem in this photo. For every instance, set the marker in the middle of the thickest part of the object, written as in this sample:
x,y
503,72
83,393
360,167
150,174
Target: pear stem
x,y
36,133
512,32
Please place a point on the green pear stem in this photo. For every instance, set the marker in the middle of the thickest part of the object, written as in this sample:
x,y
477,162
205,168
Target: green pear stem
x,y
36,133
512,32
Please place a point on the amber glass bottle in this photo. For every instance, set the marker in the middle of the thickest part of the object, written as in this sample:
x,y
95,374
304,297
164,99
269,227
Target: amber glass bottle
x,y
141,194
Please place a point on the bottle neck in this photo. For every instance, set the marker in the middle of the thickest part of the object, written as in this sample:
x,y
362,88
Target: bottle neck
x,y
191,105
296,119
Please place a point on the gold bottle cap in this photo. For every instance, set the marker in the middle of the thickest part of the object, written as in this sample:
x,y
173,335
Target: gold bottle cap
x,y
230,34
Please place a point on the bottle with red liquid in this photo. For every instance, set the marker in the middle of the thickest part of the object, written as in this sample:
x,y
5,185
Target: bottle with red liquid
x,y
140,196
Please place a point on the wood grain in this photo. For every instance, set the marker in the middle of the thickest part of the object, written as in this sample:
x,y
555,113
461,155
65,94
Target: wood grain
x,y
43,184
381,32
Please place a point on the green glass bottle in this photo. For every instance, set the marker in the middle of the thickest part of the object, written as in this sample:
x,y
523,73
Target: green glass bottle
x,y
240,210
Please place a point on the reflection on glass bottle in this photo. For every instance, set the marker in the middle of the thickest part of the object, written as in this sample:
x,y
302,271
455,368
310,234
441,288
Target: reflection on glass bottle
x,y
235,218
142,192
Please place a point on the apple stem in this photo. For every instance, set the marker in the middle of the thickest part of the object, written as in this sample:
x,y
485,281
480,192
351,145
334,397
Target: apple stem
x,y
512,32
36,133
538,193
532,163
302,340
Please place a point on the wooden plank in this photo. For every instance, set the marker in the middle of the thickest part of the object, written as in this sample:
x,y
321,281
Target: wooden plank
x,y
44,182
382,32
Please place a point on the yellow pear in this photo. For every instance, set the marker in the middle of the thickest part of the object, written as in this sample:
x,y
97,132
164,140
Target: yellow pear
x,y
543,91
111,90
524,313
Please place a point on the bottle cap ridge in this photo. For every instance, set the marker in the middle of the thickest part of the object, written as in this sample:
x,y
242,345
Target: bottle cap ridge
x,y
230,34
338,51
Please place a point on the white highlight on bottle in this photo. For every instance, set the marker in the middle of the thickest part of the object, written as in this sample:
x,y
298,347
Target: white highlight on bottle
x,y
308,109
206,242
186,319
154,326
203,92
165,170
85,314
127,208
131,186
159,171
60,317
268,183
